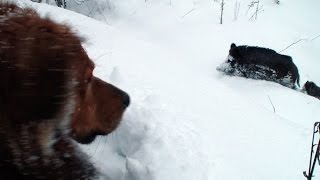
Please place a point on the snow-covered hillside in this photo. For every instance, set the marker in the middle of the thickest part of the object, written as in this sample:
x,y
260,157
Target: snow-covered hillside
x,y
187,121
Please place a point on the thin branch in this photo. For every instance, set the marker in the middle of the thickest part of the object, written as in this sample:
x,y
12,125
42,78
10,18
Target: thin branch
x,y
296,42
292,45
102,14
188,12
315,37
250,6
257,9
109,5
274,109
256,12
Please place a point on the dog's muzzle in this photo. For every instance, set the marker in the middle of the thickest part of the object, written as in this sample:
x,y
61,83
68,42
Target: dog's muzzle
x,y
230,58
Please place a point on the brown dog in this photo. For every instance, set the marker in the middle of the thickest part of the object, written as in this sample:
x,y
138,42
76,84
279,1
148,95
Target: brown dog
x,y
47,93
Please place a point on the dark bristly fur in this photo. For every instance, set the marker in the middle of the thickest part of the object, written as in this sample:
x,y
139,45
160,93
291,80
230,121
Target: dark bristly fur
x,y
47,95
312,89
263,63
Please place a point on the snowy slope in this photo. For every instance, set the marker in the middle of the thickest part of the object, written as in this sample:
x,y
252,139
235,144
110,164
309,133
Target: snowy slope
x,y
186,120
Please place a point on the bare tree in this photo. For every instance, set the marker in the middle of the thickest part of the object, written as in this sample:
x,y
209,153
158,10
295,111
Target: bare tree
x,y
221,15
257,11
236,10
251,5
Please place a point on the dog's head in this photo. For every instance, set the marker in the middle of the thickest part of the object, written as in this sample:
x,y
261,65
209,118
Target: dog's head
x,y
234,53
98,105
48,76
307,85
311,88
48,94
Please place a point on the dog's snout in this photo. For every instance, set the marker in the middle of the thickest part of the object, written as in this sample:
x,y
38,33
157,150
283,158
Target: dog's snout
x,y
125,99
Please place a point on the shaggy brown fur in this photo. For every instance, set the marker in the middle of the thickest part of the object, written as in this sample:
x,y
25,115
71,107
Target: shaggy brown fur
x,y
48,93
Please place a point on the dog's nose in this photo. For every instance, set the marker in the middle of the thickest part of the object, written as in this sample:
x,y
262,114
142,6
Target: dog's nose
x,y
125,99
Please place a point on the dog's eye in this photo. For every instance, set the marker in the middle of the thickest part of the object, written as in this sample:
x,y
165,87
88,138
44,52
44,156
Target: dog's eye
x,y
88,80
88,76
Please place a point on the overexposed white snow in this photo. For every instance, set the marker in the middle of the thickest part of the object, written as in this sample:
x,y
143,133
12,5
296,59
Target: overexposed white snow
x,y
186,120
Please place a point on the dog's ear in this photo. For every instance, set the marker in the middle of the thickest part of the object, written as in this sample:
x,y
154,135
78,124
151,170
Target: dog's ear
x,y
233,45
306,84
312,85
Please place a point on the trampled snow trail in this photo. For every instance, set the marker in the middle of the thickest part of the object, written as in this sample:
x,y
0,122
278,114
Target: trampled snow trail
x,y
186,120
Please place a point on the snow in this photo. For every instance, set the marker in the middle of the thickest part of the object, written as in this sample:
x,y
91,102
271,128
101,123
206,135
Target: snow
x,y
187,120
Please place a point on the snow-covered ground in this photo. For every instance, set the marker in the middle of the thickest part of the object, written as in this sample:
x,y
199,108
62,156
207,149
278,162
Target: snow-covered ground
x,y
187,121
